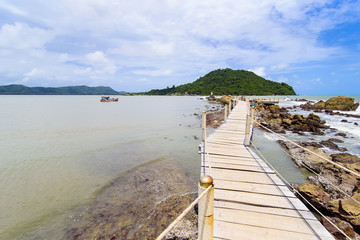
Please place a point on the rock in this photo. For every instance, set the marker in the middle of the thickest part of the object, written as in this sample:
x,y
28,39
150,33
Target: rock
x,y
341,134
302,157
287,122
336,140
319,105
274,108
139,204
215,118
225,99
341,103
344,226
333,146
356,124
336,103
344,120
315,195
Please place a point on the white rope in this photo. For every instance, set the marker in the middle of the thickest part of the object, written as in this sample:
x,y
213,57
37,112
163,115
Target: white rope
x,y
295,190
330,161
167,230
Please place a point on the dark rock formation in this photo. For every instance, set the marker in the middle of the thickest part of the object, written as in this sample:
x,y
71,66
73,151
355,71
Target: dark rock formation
x,y
280,120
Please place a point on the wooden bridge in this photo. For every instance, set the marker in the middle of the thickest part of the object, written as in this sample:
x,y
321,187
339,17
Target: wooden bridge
x,y
250,201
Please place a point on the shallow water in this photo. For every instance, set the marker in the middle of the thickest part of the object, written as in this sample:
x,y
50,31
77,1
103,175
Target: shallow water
x,y
56,151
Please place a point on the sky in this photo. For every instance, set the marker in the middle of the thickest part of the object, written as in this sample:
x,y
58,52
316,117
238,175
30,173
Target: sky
x,y
312,45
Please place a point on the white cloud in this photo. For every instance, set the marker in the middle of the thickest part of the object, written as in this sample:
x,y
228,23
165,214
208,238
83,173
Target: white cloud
x,y
259,71
154,73
180,40
20,36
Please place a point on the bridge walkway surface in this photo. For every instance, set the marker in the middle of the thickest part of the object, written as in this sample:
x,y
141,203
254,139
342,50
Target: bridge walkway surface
x,y
250,200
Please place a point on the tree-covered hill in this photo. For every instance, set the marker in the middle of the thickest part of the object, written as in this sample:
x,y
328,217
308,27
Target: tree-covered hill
x,y
229,82
15,89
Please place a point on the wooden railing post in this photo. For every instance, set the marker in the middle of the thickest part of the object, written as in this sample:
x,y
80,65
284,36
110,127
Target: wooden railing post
x,y
202,147
226,112
203,126
206,209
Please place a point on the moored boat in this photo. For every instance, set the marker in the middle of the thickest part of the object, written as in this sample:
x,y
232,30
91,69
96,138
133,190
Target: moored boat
x,y
108,99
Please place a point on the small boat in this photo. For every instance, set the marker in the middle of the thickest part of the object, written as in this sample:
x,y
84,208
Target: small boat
x,y
108,99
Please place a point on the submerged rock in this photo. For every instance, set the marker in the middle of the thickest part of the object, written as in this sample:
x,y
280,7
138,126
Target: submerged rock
x,y
138,205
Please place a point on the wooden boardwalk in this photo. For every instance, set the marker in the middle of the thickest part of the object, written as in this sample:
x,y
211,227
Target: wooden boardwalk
x,y
250,201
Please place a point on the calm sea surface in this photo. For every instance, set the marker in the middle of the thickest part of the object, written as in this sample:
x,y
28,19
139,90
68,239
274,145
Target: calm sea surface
x,y
57,151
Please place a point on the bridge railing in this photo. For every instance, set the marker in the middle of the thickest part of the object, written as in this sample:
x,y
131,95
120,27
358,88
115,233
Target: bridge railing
x,y
205,199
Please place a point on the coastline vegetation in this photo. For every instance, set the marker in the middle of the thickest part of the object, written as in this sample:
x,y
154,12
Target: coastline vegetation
x,y
17,89
228,82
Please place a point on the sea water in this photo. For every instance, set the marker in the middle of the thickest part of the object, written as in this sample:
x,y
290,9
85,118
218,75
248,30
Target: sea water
x,y
272,152
56,151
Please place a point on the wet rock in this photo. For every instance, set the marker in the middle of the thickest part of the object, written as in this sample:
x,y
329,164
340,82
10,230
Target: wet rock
x,y
138,205
315,195
215,118
340,134
343,225
336,140
330,144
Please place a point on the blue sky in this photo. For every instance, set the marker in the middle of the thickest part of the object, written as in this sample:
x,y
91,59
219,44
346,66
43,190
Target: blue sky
x,y
313,45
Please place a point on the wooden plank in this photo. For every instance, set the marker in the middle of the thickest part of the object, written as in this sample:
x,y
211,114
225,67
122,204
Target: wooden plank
x,y
241,176
264,209
253,198
249,187
251,202
227,230
262,219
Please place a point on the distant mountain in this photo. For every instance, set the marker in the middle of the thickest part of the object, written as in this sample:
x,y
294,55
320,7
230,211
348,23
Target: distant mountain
x,y
16,89
229,82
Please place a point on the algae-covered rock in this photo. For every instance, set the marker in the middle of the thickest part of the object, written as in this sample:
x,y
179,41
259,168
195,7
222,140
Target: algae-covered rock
x,y
342,225
315,195
341,103
336,103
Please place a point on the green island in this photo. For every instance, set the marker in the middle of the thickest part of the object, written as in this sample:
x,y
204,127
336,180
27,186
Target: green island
x,y
219,82
17,89
228,82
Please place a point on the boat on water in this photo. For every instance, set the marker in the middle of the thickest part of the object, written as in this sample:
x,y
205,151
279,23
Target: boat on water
x,y
108,99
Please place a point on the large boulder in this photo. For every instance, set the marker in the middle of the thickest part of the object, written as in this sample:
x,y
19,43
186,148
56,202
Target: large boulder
x,y
336,103
341,103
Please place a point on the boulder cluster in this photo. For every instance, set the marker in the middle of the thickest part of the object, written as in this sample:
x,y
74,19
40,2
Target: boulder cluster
x,y
280,120
331,188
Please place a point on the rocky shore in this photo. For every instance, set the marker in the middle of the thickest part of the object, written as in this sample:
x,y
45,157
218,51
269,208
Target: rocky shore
x,y
335,192
140,204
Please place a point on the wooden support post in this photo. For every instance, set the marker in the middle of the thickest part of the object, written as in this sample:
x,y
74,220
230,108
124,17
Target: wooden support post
x,y
247,131
203,144
206,209
226,112
203,126
230,103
